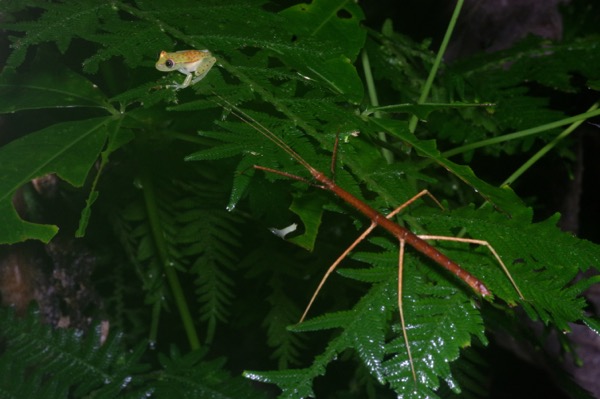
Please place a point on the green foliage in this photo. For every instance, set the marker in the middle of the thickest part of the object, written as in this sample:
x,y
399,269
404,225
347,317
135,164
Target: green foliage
x,y
38,360
192,376
171,182
181,223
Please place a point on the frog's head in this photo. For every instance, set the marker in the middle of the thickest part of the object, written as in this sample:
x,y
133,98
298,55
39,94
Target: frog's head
x,y
165,63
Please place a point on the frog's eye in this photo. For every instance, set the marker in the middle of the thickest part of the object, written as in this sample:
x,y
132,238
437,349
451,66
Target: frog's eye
x,y
169,63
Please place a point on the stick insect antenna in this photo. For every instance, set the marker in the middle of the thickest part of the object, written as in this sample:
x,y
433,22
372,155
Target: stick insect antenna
x,y
262,129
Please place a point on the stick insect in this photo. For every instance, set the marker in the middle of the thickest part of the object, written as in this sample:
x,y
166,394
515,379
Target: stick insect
x,y
403,235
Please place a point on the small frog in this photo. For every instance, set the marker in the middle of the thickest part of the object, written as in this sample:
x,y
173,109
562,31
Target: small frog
x,y
187,62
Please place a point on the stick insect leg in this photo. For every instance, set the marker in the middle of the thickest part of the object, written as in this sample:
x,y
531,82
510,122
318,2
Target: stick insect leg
x,y
401,309
284,174
413,199
356,242
333,266
483,243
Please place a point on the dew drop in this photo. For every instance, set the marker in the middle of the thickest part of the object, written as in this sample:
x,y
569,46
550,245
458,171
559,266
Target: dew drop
x,y
126,382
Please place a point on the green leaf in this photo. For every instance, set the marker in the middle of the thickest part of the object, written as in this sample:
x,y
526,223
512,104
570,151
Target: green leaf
x,y
551,269
192,376
593,324
293,383
78,365
310,210
183,246
283,312
319,24
60,88
363,329
504,198
595,85
560,61
364,321
326,21
86,213
117,138
68,149
57,24
422,111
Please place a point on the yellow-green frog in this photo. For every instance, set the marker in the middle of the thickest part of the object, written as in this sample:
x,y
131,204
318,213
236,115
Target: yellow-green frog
x,y
189,62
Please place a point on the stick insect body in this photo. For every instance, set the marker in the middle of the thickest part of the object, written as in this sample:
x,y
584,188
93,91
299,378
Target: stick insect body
x,y
403,235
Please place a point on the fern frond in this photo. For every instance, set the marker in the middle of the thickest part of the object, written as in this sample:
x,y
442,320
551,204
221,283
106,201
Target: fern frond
x,y
471,371
207,236
192,376
74,363
196,236
517,239
283,313
81,17
134,232
366,320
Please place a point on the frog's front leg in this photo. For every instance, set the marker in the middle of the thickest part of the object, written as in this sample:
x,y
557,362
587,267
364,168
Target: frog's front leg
x,y
186,82
196,70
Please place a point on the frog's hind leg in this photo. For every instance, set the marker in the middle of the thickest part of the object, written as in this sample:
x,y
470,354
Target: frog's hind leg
x,y
198,77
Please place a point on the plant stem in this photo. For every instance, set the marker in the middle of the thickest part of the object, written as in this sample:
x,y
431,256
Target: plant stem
x,y
523,133
412,125
548,147
372,90
163,253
